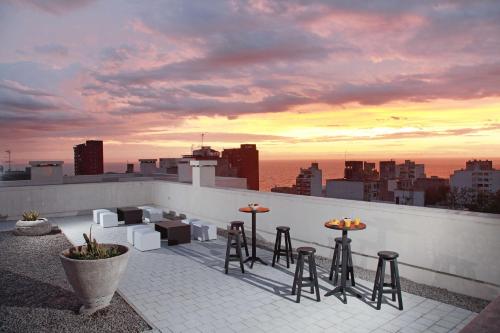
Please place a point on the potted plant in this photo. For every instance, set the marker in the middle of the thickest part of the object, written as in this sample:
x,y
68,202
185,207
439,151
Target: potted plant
x,y
94,271
32,225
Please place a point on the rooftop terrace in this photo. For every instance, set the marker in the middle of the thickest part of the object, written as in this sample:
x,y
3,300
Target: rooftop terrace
x,y
446,259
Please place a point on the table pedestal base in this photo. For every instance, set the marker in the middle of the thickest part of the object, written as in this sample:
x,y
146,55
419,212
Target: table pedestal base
x,y
254,259
343,291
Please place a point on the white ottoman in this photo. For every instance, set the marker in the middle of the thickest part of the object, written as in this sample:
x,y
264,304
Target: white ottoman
x,y
131,229
204,231
96,213
146,239
108,219
152,214
190,222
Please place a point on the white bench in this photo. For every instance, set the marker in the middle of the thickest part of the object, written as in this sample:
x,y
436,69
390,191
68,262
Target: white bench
x,y
146,239
131,230
97,212
108,219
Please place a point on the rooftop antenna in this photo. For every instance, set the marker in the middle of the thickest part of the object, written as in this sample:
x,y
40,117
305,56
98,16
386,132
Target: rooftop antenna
x,y
202,138
9,160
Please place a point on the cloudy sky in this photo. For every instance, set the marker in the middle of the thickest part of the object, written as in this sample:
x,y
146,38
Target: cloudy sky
x,y
301,79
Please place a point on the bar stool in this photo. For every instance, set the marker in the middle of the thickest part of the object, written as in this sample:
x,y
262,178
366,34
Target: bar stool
x,y
299,272
337,261
378,287
240,225
278,251
236,235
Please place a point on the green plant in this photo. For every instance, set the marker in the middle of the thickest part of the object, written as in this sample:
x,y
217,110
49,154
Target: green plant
x,y
31,215
93,250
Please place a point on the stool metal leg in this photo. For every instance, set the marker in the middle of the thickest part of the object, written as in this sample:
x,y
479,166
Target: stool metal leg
x,y
381,285
288,251
398,284
393,281
275,249
377,277
228,251
279,247
311,274
296,276
316,285
244,240
290,245
301,274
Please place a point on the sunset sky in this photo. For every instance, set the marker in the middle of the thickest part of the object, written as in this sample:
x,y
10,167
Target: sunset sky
x,y
301,79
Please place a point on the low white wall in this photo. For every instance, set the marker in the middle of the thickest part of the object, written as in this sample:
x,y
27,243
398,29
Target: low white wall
x,y
71,199
443,248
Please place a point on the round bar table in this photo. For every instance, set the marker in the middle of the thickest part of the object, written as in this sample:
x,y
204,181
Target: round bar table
x,y
253,258
343,288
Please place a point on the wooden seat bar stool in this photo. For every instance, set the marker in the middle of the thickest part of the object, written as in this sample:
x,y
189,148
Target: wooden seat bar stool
x,y
278,251
236,236
337,263
240,225
299,273
378,287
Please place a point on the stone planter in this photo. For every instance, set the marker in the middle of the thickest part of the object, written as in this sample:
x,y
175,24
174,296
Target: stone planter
x,y
95,281
33,228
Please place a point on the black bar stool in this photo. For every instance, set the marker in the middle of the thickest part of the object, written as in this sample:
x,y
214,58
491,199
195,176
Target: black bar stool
x,y
278,251
378,287
233,234
299,273
240,225
337,262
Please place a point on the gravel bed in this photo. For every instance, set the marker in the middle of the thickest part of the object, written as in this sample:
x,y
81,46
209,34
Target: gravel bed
x,y
36,297
439,294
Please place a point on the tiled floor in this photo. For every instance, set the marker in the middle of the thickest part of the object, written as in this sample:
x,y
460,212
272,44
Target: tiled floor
x,y
183,288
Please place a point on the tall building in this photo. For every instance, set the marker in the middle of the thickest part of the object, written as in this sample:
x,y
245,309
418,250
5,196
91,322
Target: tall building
x,y
89,158
310,181
409,170
360,171
387,170
246,161
353,170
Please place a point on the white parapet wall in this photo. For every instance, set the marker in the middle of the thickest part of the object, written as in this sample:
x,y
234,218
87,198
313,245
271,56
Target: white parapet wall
x,y
72,199
449,249
442,248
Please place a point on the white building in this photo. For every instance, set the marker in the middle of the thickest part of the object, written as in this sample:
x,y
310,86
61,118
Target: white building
x,y
409,197
352,189
147,166
310,181
410,170
478,176
168,163
46,172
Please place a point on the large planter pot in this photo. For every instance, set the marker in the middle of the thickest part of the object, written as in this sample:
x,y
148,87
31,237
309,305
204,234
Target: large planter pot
x,y
95,281
33,228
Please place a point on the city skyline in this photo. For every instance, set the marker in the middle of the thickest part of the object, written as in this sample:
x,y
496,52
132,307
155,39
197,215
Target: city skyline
x,y
374,81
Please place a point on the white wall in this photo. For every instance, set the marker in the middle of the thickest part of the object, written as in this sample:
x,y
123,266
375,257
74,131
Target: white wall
x,y
449,249
70,199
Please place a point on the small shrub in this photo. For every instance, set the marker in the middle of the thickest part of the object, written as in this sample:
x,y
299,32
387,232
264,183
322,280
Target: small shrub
x,y
93,250
31,215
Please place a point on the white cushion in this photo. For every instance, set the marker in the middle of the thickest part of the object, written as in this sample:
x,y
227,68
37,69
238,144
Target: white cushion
x,y
108,219
146,239
131,230
96,213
